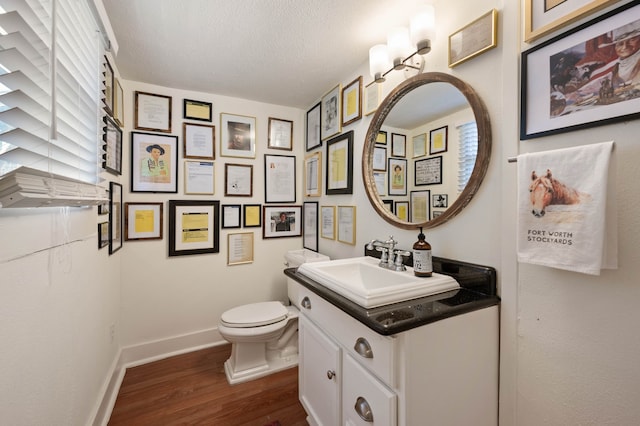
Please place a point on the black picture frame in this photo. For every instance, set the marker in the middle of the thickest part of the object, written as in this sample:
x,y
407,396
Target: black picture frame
x,y
310,214
551,103
231,215
335,147
440,200
108,87
428,171
203,239
197,110
397,176
142,145
115,217
314,119
112,138
252,216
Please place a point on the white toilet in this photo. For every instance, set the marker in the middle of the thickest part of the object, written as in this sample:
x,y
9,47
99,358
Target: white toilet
x,y
264,335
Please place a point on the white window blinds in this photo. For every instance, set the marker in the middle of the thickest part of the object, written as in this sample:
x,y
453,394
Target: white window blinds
x,y
468,142
51,57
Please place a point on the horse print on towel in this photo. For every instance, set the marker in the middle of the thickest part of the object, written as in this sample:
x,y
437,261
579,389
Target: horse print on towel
x,y
546,190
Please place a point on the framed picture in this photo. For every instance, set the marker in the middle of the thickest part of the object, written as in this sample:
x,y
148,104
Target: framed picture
x,y
435,214
108,87
238,180
428,171
347,224
397,176
419,144
328,222
380,158
231,216
339,174
252,215
199,177
542,17
115,217
103,208
193,227
401,210
380,179
314,118
238,136
239,248
381,138
197,110
398,145
419,202
198,141
282,221
604,88
473,39
152,112
154,163
280,134
352,102
279,178
440,200
310,233
438,140
118,103
313,175
103,235
372,97
388,204
331,113
112,138
143,221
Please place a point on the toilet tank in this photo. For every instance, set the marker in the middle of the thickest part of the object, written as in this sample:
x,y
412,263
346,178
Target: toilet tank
x,y
295,258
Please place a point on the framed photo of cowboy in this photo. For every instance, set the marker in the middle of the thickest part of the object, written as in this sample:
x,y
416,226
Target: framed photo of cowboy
x,y
238,136
154,163
586,77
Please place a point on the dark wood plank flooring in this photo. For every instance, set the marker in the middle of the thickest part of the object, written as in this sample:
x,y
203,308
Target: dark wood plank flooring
x,y
191,389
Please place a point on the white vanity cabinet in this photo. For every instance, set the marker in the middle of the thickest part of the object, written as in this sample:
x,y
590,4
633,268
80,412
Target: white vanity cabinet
x,y
443,374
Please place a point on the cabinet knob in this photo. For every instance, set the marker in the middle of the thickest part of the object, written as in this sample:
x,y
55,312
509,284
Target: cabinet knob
x,y
363,409
331,374
306,303
363,348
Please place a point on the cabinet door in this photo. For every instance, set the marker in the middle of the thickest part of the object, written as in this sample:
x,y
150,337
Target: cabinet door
x,y
319,374
365,400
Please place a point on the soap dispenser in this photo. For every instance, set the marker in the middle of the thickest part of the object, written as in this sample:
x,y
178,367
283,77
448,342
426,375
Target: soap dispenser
x,y
422,264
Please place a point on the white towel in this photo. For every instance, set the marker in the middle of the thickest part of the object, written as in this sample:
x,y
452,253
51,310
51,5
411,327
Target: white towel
x,y
567,216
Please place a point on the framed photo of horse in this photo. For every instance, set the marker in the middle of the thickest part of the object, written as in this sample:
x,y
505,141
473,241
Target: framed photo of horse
x,y
586,77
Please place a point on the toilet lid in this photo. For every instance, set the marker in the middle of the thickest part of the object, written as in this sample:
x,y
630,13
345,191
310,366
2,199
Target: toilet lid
x,y
255,314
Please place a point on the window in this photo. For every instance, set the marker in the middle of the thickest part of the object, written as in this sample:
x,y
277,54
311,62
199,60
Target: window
x,y
468,142
51,61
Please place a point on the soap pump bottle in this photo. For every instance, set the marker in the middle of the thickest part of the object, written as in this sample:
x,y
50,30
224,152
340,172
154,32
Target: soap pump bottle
x,y
422,264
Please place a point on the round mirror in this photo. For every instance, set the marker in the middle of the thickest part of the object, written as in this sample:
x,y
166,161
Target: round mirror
x,y
416,167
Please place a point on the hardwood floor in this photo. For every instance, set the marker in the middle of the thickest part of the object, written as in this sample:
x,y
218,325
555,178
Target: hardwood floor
x,y
191,389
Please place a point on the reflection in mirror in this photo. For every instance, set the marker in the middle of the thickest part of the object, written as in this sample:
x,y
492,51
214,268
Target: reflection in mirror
x,y
438,142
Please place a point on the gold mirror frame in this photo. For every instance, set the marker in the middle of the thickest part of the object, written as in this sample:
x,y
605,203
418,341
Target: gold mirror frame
x,y
482,159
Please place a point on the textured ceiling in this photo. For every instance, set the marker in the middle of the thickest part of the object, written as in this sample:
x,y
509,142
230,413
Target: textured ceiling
x,y
285,52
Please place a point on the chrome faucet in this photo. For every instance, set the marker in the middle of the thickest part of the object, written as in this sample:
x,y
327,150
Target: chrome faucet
x,y
388,249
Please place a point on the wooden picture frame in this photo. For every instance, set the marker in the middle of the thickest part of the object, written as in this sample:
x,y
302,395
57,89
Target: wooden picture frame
x,y
352,102
419,202
279,178
238,180
473,39
419,145
115,217
112,138
152,112
440,200
238,136
398,145
194,227
313,175
552,105
252,215
103,235
346,218
198,141
331,113
143,221
339,159
282,221
428,171
310,228
438,140
313,123
372,97
397,176
540,20
199,177
231,216
118,103
154,162
280,134
108,87
239,248
328,222
197,110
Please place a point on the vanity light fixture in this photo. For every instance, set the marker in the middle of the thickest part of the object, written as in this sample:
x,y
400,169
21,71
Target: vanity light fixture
x,y
399,53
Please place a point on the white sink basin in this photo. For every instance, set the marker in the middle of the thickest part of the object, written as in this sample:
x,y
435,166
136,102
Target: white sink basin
x,y
362,281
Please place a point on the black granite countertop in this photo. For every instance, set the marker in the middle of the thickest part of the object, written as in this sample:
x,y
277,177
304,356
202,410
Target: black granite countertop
x,y
478,285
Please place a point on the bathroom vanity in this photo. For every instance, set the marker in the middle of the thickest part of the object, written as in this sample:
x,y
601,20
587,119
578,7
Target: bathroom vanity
x,y
426,361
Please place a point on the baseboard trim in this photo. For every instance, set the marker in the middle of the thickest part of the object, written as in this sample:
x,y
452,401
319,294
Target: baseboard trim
x,y
134,355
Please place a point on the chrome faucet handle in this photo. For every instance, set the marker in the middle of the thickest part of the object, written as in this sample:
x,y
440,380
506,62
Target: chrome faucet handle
x,y
384,258
399,257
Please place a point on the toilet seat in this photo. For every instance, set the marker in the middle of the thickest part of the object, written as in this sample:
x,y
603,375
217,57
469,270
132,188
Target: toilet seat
x,y
254,315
